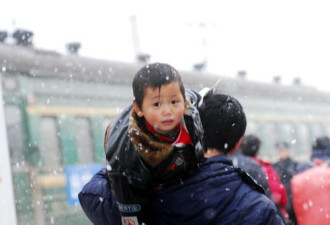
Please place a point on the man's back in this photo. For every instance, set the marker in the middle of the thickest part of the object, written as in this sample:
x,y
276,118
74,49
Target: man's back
x,y
217,194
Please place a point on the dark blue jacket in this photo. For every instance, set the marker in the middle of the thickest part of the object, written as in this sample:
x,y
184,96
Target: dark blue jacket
x,y
98,202
253,168
217,194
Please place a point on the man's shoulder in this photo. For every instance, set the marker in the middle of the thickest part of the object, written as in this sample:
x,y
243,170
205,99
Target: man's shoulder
x,y
98,185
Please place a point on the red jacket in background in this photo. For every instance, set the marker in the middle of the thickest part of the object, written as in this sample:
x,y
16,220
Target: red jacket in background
x,y
276,187
311,196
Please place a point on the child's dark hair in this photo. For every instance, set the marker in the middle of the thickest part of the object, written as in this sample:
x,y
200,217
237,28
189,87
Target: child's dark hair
x,y
223,120
154,75
250,145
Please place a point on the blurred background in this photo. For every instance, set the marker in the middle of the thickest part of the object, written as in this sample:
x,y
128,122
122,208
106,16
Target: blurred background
x,y
66,69
289,39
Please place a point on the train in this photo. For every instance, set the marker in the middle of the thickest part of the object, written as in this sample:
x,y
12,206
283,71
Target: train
x,y
57,107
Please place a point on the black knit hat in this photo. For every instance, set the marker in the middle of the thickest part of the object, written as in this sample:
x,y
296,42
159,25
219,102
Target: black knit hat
x,y
223,120
250,145
321,148
322,143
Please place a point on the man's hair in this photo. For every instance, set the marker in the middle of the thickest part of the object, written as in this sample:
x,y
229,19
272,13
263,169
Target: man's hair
x,y
321,149
223,120
321,143
250,145
154,76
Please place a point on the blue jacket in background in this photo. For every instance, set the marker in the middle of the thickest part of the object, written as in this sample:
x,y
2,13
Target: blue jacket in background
x,y
217,194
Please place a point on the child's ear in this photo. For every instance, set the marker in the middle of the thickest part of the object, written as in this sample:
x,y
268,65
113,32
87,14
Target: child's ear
x,y
137,109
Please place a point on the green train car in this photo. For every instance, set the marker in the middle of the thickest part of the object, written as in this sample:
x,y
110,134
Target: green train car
x,y
58,106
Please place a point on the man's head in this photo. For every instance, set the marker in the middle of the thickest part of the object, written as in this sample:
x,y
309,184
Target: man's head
x,y
283,151
321,149
250,145
224,122
159,96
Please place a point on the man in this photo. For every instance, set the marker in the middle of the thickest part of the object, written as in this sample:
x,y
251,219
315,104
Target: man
x,y
218,193
286,168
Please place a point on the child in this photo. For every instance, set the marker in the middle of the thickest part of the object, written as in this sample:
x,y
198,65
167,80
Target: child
x,y
154,143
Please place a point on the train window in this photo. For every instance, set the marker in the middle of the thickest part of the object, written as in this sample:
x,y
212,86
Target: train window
x,y
316,130
287,133
50,148
15,133
303,144
327,129
267,135
251,128
84,140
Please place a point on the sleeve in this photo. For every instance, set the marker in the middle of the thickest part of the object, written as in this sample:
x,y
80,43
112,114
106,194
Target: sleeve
x,y
193,96
98,202
129,178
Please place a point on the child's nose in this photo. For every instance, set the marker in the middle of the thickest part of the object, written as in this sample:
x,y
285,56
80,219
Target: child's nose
x,y
166,110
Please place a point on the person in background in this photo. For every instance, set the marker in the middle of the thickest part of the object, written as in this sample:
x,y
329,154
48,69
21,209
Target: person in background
x,y
321,150
311,188
250,147
286,168
218,193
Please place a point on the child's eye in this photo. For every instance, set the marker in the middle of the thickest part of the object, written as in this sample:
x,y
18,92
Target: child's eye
x,y
157,104
174,101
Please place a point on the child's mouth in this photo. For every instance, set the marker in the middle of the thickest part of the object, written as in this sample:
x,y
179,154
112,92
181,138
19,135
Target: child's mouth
x,y
167,122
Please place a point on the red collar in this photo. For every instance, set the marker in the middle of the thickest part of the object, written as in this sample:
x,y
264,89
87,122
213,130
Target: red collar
x,y
180,138
160,136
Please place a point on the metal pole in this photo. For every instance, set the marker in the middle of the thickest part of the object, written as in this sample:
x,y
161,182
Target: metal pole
x,y
7,202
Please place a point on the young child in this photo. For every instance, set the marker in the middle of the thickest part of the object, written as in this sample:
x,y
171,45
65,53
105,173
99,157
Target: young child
x,y
154,143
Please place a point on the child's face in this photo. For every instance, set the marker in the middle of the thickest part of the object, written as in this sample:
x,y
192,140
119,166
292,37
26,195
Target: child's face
x,y
162,108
